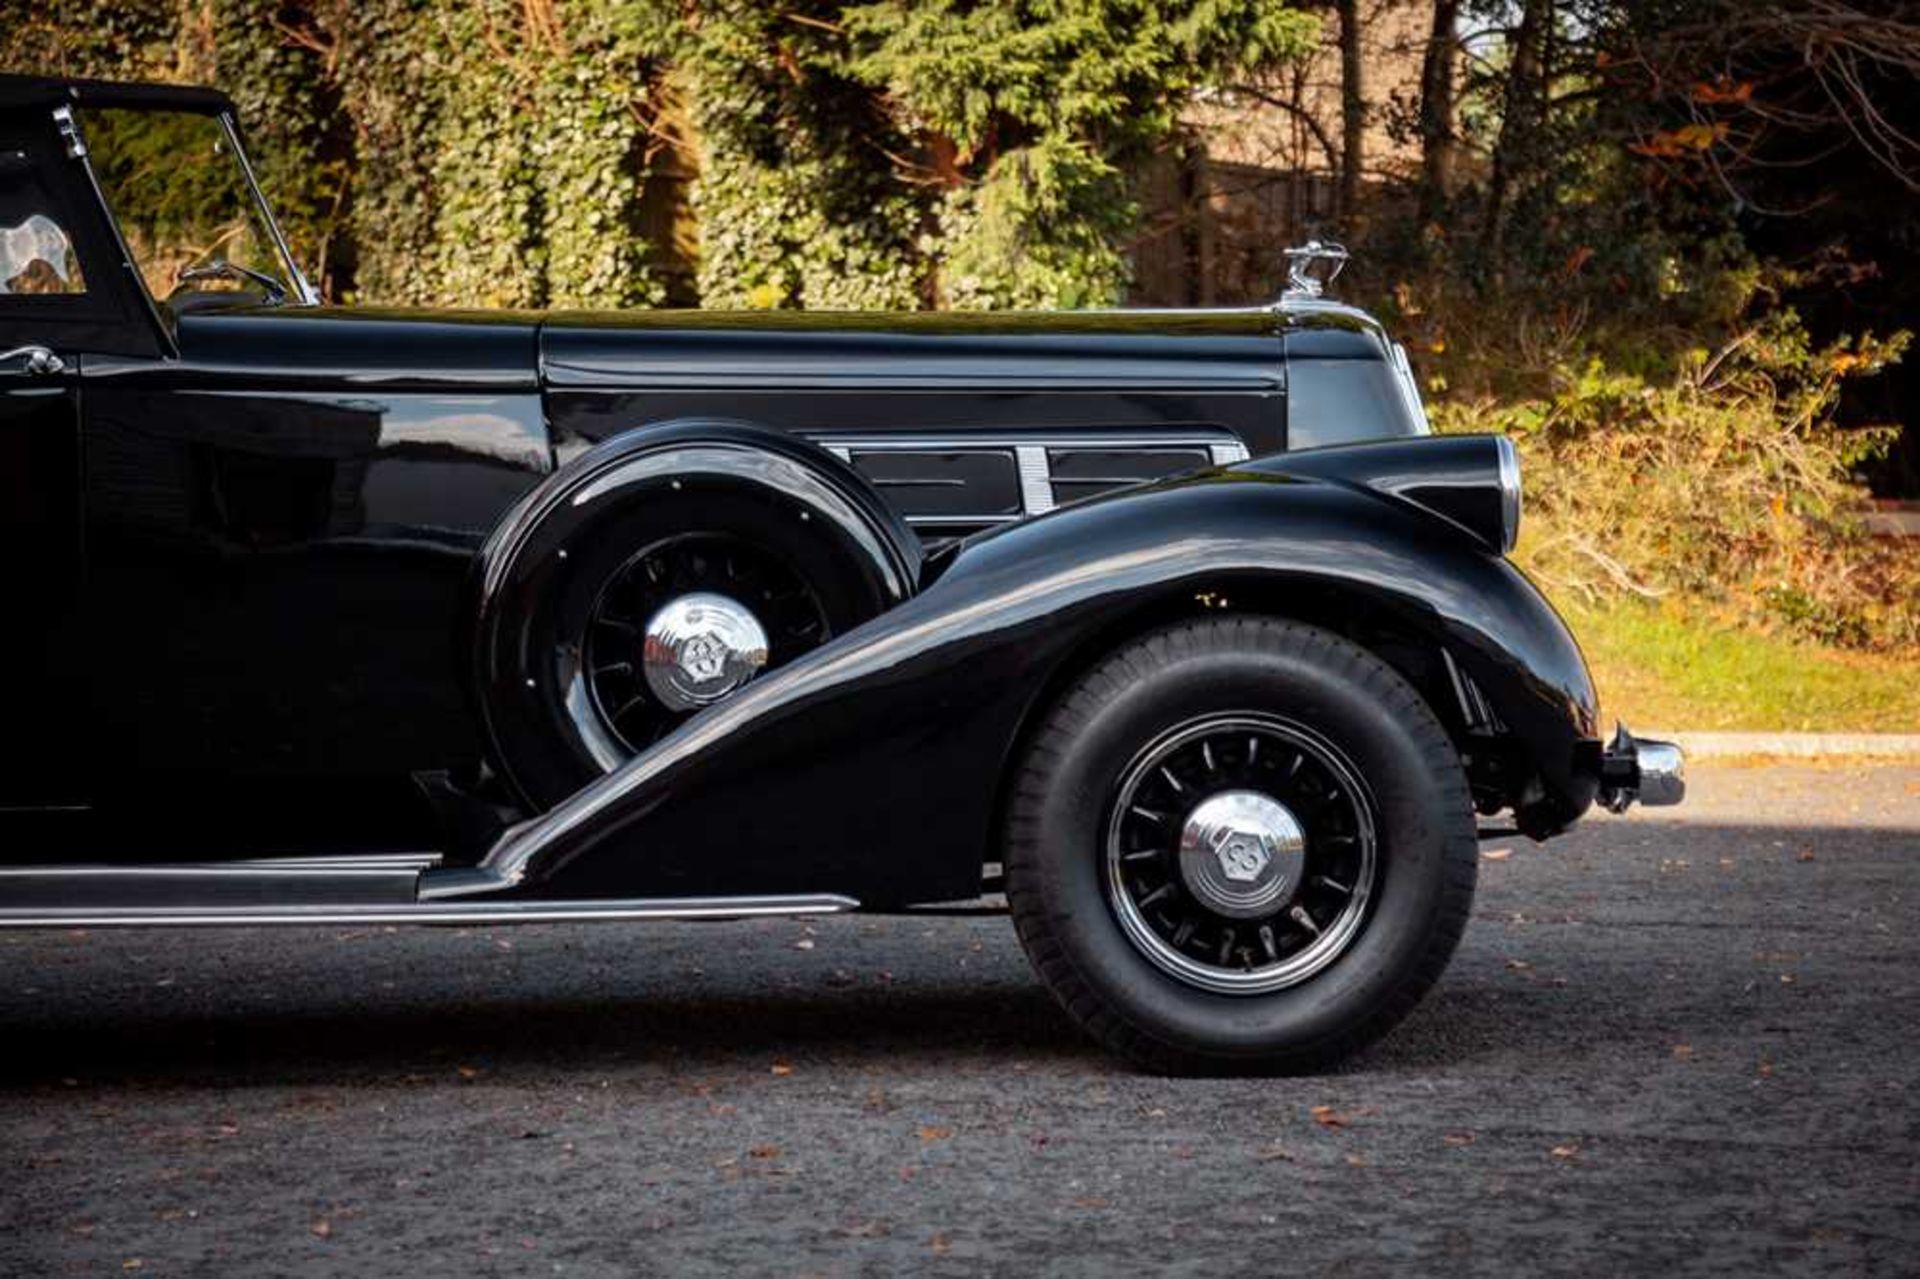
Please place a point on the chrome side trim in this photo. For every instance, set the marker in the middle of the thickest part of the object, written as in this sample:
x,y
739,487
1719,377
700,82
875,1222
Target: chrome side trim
x,y
1409,389
1036,478
469,913
344,861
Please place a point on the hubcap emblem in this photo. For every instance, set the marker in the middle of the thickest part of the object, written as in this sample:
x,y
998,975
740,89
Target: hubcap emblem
x,y
1242,858
1242,853
699,648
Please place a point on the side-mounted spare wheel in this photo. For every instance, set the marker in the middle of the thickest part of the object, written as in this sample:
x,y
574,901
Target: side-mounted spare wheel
x,y
656,575
1239,843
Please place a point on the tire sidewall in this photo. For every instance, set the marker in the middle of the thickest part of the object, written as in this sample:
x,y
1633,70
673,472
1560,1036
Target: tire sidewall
x,y
1411,827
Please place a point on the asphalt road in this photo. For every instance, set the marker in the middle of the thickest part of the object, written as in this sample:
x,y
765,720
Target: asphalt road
x,y
1687,1045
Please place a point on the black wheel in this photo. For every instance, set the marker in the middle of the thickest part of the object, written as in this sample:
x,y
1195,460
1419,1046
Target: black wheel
x,y
673,607
1240,844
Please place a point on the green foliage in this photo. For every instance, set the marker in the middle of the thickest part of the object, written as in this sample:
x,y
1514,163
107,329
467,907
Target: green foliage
x,y
797,202
497,152
1674,664
1031,113
1728,482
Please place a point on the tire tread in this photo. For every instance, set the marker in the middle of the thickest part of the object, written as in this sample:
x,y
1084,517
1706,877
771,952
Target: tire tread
x,y
1055,964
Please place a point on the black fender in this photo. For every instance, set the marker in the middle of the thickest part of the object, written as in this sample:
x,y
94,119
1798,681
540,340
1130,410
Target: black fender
x,y
513,683
873,766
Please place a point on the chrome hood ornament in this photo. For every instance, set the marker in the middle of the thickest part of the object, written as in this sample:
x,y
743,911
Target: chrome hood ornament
x,y
1311,267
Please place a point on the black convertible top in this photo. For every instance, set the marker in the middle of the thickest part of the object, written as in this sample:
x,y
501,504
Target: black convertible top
x,y
50,91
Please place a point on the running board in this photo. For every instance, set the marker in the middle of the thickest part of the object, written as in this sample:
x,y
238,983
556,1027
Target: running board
x,y
422,912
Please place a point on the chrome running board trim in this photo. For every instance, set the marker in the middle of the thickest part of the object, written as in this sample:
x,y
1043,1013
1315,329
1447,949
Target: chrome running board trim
x,y
344,861
432,912
109,889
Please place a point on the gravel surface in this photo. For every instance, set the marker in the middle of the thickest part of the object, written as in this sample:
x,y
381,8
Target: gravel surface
x,y
1667,1043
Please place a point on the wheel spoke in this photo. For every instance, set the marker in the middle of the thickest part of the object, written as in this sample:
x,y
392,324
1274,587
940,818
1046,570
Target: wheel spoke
x,y
736,567
1194,904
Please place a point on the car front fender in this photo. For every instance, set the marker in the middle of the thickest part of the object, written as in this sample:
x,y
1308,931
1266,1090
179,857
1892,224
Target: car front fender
x,y
873,765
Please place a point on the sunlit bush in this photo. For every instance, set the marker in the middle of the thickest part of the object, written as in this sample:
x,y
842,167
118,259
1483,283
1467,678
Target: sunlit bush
x,y
1726,483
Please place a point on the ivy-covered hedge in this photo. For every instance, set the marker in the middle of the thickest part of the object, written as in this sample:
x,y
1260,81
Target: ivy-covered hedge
x,y
880,155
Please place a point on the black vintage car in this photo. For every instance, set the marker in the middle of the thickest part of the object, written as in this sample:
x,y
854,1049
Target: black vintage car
x,y
1176,627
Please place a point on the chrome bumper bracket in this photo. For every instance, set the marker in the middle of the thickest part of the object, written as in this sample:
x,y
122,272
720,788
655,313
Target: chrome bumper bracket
x,y
1653,773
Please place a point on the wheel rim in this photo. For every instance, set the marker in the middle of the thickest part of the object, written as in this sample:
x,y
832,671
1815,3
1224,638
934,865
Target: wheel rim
x,y
683,623
1240,853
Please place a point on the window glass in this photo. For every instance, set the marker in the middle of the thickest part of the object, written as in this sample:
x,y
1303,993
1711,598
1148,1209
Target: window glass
x,y
177,189
36,256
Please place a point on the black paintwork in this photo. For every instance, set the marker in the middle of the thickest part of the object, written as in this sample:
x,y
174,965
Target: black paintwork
x,y
874,766
256,537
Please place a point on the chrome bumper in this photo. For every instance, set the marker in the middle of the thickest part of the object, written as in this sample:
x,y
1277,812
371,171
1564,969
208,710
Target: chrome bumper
x,y
1631,768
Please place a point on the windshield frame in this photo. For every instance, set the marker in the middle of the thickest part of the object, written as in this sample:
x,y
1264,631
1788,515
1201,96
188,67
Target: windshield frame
x,y
300,290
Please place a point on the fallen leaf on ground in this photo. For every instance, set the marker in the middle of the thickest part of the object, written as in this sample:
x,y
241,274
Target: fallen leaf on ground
x,y
1090,1201
1518,965
782,1068
940,1245
935,1132
1495,854
765,1152
1458,1138
1567,1151
1267,1154
1328,1117
469,1072
1683,1052
322,1228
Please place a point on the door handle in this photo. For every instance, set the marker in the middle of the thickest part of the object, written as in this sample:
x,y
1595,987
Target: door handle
x,y
35,361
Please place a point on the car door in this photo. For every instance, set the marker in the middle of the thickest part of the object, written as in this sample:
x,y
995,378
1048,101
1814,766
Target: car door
x,y
47,312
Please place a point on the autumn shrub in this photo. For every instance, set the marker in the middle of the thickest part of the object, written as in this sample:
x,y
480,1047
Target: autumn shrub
x,y
1725,482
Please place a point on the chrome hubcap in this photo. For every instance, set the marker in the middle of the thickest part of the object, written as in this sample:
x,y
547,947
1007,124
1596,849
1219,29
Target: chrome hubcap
x,y
633,675
1241,852
699,648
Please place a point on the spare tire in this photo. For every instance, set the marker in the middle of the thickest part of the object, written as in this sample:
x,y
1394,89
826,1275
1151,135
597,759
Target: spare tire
x,y
654,576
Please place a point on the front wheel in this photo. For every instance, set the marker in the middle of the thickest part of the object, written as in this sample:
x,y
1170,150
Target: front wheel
x,y
1240,843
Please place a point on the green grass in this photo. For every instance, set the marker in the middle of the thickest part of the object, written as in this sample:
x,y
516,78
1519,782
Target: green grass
x,y
1662,668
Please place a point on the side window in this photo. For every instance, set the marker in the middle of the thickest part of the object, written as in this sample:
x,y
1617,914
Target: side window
x,y
36,254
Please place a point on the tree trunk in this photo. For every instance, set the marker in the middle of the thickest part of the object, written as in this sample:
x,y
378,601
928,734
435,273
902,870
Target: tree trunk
x,y
1353,114
1438,143
1522,114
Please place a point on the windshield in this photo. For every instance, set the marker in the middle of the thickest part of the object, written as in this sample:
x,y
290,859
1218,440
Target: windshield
x,y
180,190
